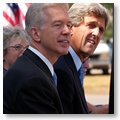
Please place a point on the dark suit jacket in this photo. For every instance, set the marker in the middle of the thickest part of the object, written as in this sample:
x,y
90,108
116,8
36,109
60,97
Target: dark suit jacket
x,y
29,88
69,86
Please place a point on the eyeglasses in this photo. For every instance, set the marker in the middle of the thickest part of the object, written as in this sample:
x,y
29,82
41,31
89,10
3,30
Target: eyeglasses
x,y
18,47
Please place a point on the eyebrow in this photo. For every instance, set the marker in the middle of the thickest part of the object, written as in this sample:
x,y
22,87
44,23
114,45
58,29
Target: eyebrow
x,y
69,21
94,22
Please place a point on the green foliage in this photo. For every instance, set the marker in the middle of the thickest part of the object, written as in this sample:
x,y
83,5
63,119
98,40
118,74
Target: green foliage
x,y
109,31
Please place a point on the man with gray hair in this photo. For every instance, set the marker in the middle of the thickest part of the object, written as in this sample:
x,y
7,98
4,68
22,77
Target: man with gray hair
x,y
89,23
30,85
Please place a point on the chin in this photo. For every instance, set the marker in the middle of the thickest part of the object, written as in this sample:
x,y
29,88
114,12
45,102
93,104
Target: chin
x,y
64,52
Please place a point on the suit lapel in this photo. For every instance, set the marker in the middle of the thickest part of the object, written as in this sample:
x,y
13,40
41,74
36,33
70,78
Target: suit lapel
x,y
38,62
71,64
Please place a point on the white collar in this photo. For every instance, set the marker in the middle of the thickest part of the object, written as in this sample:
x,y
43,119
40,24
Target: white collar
x,y
45,60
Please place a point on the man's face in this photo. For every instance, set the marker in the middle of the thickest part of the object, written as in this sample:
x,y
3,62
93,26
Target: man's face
x,y
87,35
55,34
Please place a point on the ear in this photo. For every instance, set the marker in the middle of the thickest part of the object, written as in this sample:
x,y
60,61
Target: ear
x,y
35,33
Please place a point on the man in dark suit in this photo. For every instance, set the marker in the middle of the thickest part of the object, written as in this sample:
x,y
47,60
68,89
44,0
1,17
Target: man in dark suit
x,y
28,85
89,23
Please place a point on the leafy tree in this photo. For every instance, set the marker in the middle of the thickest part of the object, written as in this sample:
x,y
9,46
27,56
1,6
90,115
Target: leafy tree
x,y
109,31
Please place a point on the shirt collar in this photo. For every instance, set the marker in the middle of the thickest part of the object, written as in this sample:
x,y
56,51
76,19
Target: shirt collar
x,y
46,61
76,58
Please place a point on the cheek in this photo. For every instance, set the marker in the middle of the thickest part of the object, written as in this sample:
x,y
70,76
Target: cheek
x,y
11,57
16,54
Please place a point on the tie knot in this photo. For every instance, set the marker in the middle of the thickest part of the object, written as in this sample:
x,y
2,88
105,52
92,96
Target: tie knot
x,y
81,69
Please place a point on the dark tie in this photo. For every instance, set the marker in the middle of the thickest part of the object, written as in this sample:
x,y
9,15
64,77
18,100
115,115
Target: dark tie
x,y
81,74
55,78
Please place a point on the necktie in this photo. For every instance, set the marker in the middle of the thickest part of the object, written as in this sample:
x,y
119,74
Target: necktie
x,y
81,74
55,78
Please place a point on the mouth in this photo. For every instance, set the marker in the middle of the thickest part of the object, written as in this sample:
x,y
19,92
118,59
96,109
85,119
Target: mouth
x,y
65,41
91,41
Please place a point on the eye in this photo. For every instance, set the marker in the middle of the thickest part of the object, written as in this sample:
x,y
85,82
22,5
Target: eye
x,y
101,30
18,46
69,25
91,25
57,24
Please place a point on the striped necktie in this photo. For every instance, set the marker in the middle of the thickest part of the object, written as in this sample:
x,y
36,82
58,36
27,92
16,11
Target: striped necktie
x,y
81,74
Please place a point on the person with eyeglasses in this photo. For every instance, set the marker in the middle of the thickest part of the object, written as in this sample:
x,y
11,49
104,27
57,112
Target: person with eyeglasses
x,y
30,85
15,41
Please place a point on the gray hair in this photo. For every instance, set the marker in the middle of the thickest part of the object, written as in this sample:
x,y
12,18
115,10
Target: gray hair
x,y
14,32
79,10
35,15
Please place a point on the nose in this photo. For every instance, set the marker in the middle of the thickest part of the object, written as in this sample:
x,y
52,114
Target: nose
x,y
21,52
23,49
96,32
